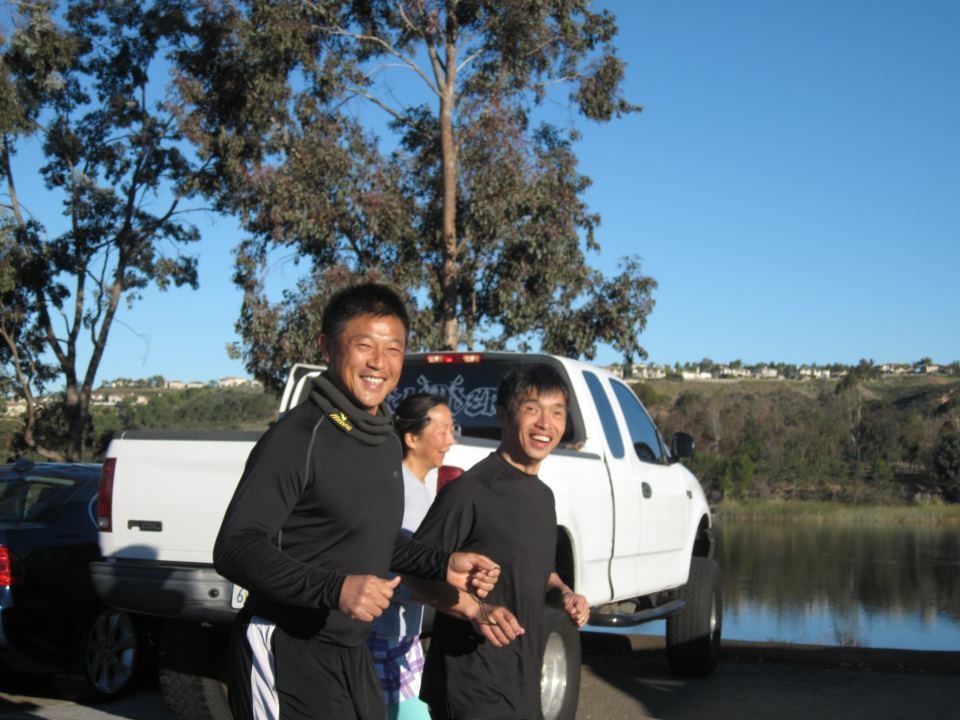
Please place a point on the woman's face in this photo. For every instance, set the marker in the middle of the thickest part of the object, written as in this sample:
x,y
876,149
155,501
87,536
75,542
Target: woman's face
x,y
429,447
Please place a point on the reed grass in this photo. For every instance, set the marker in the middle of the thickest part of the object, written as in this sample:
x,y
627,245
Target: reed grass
x,y
809,511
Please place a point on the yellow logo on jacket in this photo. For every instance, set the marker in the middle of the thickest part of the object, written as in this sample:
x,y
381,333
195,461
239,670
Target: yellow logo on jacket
x,y
340,418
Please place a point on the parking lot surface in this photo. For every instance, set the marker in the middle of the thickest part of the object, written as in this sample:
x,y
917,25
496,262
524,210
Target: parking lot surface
x,y
628,679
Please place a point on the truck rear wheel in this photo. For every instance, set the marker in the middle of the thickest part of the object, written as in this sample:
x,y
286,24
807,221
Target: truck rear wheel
x,y
693,634
191,662
560,673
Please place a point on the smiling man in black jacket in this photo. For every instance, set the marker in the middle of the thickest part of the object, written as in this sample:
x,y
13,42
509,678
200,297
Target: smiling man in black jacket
x,y
313,529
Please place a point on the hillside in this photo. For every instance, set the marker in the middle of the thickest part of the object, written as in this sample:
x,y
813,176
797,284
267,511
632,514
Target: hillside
x,y
881,440
206,408
884,440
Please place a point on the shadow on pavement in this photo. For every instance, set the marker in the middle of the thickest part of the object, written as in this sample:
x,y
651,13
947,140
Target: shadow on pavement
x,y
629,677
41,695
652,649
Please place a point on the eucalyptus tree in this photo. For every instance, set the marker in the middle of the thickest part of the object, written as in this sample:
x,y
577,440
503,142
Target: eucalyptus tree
x,y
75,79
400,139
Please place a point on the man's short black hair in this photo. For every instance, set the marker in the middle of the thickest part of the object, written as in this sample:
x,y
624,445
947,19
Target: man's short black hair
x,y
364,299
518,382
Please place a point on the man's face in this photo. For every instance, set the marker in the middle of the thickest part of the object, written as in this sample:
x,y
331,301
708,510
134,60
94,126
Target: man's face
x,y
534,430
366,358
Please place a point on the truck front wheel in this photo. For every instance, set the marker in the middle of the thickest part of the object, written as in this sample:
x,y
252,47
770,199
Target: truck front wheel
x,y
191,660
560,673
693,634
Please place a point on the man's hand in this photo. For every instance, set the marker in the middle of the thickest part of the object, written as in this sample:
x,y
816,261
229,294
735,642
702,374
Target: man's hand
x,y
576,607
497,624
472,573
365,597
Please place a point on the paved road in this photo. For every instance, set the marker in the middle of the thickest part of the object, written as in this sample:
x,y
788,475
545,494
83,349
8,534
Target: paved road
x,y
629,679
767,681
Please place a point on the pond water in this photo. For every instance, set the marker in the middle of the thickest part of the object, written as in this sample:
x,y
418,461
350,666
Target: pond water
x,y
862,586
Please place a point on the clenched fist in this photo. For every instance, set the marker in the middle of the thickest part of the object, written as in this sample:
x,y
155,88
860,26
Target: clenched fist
x,y
365,597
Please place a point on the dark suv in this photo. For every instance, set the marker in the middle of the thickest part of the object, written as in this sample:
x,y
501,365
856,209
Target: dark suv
x,y
50,616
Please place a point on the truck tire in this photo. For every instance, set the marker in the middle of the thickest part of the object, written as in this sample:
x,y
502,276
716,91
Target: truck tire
x,y
191,667
560,673
693,634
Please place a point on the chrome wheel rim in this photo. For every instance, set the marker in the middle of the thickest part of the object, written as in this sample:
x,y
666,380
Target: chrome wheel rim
x,y
111,651
553,677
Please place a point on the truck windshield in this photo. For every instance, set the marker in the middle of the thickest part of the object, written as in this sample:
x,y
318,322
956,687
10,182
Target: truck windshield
x,y
471,391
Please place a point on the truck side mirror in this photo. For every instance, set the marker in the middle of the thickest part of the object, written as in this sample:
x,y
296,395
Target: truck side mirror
x,y
681,445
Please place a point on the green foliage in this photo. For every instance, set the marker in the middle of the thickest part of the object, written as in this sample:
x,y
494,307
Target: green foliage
x,y
793,440
854,377
193,409
946,458
82,88
52,427
200,409
476,213
648,394
738,476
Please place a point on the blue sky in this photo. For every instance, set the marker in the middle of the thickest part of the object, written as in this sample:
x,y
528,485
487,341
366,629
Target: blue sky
x,y
793,185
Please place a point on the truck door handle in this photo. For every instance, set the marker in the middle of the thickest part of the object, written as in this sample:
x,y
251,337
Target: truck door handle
x,y
646,489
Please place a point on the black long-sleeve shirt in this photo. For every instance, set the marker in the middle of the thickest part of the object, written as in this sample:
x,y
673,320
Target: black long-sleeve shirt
x,y
497,510
317,502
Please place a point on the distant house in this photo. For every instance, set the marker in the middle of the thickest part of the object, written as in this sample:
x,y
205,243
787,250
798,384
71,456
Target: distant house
x,y
696,375
648,372
765,372
814,373
894,369
15,408
725,371
181,385
228,382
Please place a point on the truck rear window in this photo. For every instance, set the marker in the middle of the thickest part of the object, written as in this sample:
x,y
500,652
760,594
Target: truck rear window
x,y
471,391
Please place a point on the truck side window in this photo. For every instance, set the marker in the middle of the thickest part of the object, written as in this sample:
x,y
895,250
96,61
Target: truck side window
x,y
607,419
643,433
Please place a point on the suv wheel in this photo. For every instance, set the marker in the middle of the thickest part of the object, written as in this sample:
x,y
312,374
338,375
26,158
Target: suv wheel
x,y
106,657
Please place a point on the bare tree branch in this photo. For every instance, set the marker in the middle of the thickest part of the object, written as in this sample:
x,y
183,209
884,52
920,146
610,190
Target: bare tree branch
x,y
408,61
382,105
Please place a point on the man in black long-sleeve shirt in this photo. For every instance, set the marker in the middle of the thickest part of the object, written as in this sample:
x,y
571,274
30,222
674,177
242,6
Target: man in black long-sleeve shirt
x,y
489,670
314,528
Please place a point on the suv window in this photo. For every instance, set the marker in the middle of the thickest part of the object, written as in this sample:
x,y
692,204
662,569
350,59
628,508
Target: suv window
x,y
27,497
643,433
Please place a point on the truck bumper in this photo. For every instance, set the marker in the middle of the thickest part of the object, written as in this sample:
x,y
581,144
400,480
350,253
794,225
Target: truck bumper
x,y
185,592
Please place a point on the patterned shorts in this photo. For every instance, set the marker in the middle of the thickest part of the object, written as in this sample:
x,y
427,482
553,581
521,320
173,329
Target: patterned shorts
x,y
399,664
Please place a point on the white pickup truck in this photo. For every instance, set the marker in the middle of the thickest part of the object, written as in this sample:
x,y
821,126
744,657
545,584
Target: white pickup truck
x,y
634,526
